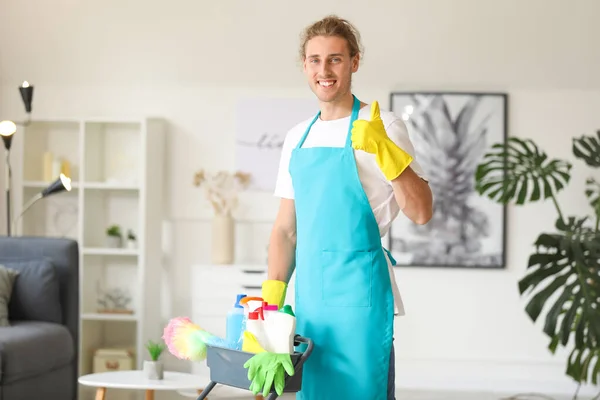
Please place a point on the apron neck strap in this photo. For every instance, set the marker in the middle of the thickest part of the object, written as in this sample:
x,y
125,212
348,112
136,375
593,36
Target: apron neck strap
x,y
354,117
355,110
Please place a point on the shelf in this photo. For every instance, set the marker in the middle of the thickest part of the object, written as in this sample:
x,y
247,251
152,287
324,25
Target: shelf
x,y
112,152
109,186
103,208
59,140
114,273
107,251
108,317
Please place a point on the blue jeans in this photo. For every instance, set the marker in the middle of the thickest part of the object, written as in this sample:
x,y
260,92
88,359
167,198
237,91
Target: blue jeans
x,y
392,376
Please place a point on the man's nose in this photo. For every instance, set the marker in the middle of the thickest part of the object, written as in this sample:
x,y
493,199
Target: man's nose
x,y
325,69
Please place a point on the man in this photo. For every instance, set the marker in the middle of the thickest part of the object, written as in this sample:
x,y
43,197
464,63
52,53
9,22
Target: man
x,y
344,176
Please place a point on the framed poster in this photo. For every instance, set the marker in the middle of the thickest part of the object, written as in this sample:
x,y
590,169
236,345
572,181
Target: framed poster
x,y
451,132
261,127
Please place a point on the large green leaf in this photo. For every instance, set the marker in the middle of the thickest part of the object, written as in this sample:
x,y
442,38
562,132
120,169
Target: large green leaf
x,y
564,279
583,364
587,148
592,191
519,171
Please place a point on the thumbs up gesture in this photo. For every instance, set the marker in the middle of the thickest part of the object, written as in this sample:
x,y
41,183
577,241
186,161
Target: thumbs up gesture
x,y
370,136
367,135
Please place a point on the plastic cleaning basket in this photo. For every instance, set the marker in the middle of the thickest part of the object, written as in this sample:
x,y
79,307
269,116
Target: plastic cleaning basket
x,y
227,368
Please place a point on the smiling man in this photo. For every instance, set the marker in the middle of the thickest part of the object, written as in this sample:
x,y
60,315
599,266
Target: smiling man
x,y
344,175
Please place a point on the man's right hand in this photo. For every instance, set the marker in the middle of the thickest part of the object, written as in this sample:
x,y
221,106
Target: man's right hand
x,y
273,292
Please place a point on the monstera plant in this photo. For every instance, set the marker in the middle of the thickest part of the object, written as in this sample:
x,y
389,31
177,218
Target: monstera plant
x,y
562,279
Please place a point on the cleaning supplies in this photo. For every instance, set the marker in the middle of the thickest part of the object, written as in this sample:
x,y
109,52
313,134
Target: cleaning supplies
x,y
255,326
234,323
188,341
288,310
268,309
280,329
251,344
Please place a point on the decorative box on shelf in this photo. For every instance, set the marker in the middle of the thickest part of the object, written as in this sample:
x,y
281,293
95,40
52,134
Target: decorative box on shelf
x,y
112,359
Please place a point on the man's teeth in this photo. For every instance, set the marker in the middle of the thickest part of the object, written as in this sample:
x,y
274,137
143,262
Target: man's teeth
x,y
326,83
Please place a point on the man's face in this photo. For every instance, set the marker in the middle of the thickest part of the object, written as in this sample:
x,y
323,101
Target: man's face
x,y
328,67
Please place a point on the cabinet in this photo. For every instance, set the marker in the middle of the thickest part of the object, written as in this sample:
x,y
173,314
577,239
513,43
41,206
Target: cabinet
x,y
116,168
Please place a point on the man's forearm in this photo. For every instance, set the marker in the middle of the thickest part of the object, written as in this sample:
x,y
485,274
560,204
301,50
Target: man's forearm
x,y
414,196
282,255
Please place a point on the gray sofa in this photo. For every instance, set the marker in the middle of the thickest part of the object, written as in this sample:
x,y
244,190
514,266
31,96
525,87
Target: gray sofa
x,y
39,350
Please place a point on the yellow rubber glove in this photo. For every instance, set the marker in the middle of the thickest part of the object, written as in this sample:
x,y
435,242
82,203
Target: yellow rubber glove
x,y
273,292
370,136
251,344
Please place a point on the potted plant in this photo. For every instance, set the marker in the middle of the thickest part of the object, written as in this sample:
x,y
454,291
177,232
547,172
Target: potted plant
x,y
114,238
153,368
131,239
563,272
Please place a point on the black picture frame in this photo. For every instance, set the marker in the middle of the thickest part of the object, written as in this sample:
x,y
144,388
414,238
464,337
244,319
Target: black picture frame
x,y
467,230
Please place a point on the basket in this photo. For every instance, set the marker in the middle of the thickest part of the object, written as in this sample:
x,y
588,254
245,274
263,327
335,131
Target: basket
x,y
227,368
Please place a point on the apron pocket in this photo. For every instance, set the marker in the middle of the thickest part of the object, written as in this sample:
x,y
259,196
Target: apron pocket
x,y
347,277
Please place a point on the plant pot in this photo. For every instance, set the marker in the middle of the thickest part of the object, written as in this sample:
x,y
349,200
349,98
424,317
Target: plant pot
x,y
131,244
114,242
153,370
223,239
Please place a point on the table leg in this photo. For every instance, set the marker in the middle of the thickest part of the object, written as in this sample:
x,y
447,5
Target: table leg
x,y
149,394
200,392
100,393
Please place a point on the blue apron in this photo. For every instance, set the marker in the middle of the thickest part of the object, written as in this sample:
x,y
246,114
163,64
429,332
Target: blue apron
x,y
344,301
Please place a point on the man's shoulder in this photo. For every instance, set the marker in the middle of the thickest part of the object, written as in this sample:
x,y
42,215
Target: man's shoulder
x,y
390,118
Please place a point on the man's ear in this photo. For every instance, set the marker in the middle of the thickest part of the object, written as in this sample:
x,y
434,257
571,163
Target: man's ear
x,y
355,62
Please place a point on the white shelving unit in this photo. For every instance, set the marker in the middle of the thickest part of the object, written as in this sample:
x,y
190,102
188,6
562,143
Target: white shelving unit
x,y
116,167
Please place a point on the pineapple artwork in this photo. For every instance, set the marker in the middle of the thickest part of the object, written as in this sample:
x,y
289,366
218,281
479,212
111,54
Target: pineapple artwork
x,y
451,132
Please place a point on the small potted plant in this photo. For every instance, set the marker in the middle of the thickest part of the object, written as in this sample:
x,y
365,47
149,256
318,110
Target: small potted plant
x,y
153,368
114,238
131,239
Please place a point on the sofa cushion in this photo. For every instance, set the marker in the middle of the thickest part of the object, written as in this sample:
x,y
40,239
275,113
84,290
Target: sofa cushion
x,y
7,281
29,348
36,292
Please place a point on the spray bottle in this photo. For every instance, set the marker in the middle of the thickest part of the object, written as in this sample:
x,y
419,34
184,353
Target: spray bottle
x,y
234,324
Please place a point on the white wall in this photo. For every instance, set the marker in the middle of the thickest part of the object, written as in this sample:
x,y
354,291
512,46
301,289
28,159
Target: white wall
x,y
189,61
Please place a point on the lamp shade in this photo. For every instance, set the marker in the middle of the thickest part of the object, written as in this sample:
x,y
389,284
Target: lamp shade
x,y
7,130
27,95
59,185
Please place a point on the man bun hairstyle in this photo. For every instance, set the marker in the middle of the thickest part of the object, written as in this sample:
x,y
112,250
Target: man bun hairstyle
x,y
332,25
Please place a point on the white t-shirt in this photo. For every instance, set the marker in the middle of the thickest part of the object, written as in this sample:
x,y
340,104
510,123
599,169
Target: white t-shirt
x,y
378,189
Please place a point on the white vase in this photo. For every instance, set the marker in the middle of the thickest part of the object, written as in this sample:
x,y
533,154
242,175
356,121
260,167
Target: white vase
x,y
153,370
131,244
223,239
113,242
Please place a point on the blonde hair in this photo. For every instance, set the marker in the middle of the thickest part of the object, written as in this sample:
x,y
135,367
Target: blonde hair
x,y
332,25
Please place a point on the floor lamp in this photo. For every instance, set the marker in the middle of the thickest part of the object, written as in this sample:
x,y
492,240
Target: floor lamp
x,y
7,131
61,184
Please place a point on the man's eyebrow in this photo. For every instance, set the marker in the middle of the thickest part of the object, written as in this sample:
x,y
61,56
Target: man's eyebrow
x,y
329,55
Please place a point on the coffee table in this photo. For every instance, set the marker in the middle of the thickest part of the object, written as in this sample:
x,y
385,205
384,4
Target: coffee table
x,y
135,380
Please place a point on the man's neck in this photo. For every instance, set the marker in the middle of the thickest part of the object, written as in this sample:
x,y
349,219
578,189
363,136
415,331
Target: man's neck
x,y
341,108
